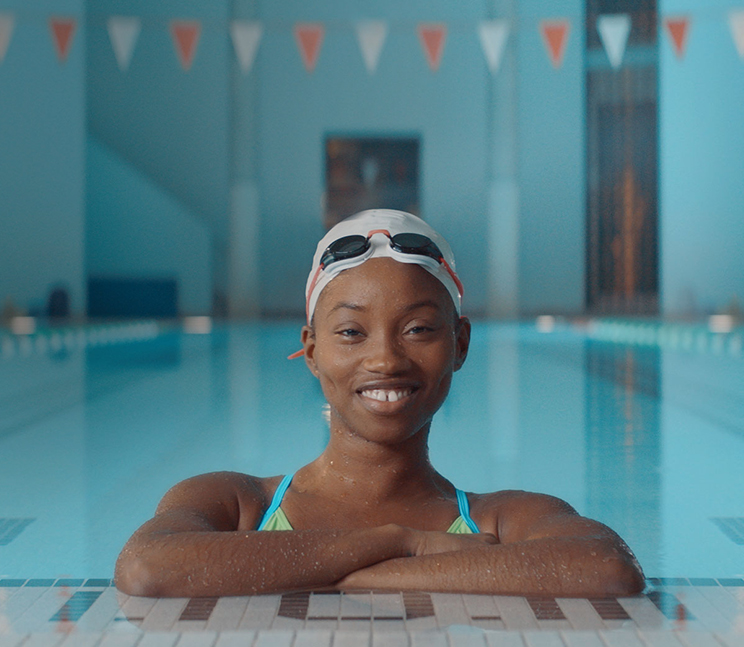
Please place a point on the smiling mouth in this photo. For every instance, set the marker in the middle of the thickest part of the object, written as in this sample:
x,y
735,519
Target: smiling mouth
x,y
387,395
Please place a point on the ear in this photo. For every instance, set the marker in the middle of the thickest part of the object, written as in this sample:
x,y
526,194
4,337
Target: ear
x,y
307,337
462,341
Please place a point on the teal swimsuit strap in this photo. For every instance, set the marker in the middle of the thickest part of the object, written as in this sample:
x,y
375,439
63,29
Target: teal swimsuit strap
x,y
462,503
276,501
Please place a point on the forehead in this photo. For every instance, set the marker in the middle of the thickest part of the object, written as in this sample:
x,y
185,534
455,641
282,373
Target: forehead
x,y
384,281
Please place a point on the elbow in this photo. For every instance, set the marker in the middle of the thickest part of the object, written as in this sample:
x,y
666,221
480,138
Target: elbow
x,y
134,576
623,577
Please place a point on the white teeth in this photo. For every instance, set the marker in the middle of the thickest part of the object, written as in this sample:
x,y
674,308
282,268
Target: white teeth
x,y
387,396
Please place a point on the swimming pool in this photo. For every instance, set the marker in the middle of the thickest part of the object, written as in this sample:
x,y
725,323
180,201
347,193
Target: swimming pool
x,y
634,430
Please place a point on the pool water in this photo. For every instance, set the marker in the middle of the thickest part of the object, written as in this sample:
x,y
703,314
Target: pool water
x,y
646,438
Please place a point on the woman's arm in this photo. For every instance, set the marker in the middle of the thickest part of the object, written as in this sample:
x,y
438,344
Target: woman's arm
x,y
546,549
193,547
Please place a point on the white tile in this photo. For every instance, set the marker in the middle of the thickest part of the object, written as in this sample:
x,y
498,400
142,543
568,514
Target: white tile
x,y
708,616
324,606
164,614
388,605
136,607
428,639
44,640
723,601
205,639
351,638
582,639
655,638
388,625
354,605
122,640
515,612
15,606
697,639
99,615
621,639
460,636
731,639
480,605
227,613
287,624
235,639
158,639
356,626
449,609
274,639
504,639
390,639
260,612
37,616
541,638
313,638
189,626
81,640
643,612
11,640
580,613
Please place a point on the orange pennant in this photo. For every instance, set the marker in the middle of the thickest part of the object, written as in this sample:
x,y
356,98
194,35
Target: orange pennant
x,y
185,35
555,37
63,31
309,38
678,28
432,37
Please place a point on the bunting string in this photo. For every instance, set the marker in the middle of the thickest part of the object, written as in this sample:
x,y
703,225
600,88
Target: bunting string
x,y
125,32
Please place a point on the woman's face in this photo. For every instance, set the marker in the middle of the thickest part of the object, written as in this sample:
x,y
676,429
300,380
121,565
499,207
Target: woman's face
x,y
384,344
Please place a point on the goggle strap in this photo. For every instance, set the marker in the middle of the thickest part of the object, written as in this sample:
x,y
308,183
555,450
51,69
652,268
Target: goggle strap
x,y
453,275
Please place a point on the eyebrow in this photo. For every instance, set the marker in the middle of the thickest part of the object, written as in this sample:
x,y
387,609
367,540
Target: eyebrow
x,y
346,305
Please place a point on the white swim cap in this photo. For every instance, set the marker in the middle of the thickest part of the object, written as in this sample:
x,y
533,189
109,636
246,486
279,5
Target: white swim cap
x,y
380,226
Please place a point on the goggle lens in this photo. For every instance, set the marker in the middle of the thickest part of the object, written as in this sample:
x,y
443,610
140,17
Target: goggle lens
x,y
356,245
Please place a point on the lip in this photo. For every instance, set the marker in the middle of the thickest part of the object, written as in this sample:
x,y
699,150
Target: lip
x,y
387,407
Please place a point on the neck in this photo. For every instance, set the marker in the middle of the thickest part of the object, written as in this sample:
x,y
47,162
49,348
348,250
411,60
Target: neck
x,y
380,472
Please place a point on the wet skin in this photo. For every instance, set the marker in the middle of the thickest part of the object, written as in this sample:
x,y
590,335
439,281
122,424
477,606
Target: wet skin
x,y
371,510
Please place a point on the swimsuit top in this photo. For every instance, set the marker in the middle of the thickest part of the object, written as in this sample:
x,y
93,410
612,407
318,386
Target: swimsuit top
x,y
275,519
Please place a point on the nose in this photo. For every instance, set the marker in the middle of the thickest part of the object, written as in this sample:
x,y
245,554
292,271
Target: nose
x,y
386,355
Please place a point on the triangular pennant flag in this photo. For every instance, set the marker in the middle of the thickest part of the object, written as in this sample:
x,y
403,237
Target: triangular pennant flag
x,y
309,38
493,36
736,22
63,31
185,35
555,37
371,35
614,31
432,36
246,35
678,28
123,32
7,22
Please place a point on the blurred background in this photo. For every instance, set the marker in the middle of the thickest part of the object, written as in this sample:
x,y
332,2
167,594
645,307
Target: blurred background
x,y
175,157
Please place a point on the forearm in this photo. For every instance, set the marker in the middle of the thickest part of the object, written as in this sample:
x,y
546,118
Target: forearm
x,y
210,563
553,566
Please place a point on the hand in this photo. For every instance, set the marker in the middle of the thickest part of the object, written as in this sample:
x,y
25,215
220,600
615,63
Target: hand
x,y
433,542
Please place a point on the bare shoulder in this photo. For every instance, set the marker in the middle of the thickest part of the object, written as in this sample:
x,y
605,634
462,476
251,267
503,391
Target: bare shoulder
x,y
517,515
226,500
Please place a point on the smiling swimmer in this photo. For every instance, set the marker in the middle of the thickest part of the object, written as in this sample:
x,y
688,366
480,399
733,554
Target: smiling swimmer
x,y
384,336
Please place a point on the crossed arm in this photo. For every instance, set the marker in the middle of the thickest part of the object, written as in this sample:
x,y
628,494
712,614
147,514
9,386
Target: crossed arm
x,y
194,546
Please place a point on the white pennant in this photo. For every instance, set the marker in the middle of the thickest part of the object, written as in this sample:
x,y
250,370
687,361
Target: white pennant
x,y
246,35
736,21
371,35
123,32
493,36
7,22
614,30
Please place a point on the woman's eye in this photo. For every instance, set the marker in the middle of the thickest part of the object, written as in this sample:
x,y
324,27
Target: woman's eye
x,y
417,330
348,332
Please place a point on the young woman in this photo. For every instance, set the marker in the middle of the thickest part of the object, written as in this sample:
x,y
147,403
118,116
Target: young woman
x,y
384,336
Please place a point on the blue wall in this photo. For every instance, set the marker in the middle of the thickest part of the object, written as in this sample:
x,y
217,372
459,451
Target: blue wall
x,y
42,159
240,157
702,164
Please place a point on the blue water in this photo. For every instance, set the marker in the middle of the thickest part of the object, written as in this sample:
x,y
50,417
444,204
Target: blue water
x,y
647,440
